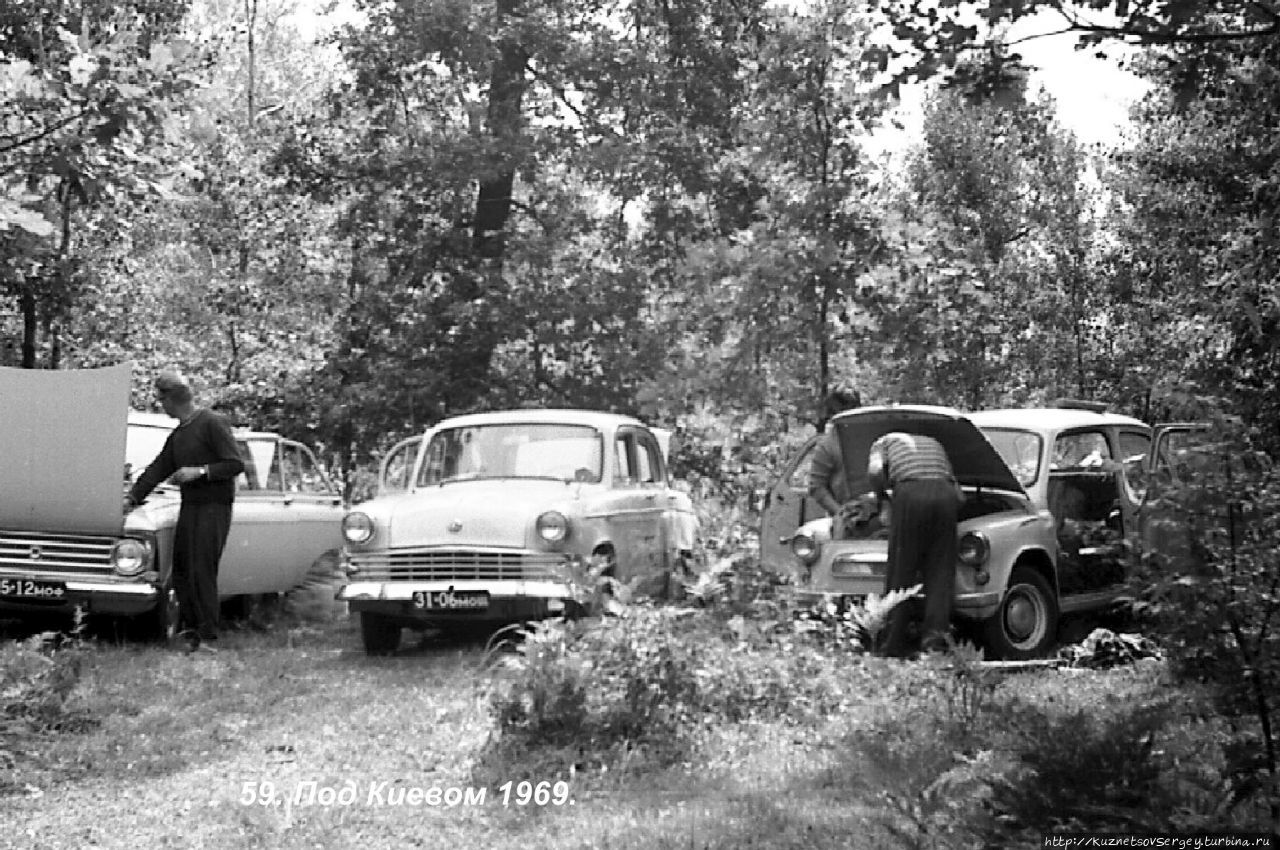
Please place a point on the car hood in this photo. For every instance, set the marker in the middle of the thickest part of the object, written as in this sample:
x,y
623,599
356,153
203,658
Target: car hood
x,y
479,512
64,436
975,461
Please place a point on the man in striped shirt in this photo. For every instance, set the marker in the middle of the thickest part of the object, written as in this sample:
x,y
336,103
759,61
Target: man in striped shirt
x,y
922,532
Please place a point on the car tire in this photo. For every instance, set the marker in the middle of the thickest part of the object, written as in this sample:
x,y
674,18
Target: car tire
x,y
1026,624
381,635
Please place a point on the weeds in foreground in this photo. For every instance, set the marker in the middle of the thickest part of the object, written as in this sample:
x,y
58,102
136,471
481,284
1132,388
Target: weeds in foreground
x,y
37,678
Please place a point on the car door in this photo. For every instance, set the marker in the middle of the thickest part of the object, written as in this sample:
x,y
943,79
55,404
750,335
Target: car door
x,y
263,538
396,472
638,504
313,506
1164,527
787,506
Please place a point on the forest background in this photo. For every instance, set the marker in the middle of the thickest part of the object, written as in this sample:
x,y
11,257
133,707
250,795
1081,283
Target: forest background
x,y
680,210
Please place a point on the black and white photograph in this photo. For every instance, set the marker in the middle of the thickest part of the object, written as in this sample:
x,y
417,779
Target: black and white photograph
x,y
639,424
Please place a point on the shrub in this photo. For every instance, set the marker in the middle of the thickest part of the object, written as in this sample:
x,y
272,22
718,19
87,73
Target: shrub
x,y
37,678
1210,589
960,759
650,682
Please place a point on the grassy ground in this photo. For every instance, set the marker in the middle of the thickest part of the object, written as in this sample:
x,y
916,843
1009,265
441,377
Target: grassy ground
x,y
183,751
260,744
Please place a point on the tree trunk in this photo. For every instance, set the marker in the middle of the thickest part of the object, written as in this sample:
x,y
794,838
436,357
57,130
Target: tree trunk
x,y
28,307
507,86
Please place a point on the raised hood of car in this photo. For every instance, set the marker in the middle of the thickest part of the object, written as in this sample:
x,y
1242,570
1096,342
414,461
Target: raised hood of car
x,y
477,512
63,432
975,461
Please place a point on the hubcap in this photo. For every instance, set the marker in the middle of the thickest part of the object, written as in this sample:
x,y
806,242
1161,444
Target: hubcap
x,y
1022,616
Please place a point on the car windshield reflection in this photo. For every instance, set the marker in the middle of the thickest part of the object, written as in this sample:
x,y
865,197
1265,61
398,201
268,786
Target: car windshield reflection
x,y
557,452
1020,451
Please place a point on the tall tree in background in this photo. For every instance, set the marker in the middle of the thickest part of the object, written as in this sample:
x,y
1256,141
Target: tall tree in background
x,y
991,302
85,89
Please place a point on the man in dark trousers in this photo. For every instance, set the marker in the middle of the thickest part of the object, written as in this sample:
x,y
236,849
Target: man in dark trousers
x,y
922,533
200,456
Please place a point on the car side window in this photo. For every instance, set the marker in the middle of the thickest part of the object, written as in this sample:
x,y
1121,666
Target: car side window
x,y
261,465
398,466
649,461
1080,450
1134,448
626,472
301,473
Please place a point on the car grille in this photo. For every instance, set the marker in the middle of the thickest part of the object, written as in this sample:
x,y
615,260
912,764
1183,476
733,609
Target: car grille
x,y
33,552
459,565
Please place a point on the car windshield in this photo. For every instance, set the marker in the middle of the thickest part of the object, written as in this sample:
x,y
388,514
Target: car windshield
x,y
1020,451
513,450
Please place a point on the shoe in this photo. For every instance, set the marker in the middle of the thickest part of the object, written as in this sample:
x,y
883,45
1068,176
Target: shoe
x,y
207,647
189,640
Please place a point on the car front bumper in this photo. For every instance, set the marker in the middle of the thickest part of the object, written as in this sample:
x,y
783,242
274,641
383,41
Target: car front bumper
x,y
509,601
107,598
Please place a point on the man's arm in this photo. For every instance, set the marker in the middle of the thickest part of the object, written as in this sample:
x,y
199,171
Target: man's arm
x,y
823,465
228,463
878,469
159,470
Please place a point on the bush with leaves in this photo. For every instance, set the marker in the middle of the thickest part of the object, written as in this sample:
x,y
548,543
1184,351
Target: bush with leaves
x,y
644,686
1210,589
37,678
962,757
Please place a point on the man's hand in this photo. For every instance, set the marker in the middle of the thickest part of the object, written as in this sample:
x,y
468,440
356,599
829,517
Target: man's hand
x,y
129,504
187,473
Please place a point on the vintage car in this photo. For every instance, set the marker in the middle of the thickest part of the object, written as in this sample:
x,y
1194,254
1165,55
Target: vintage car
x,y
66,543
1054,503
493,518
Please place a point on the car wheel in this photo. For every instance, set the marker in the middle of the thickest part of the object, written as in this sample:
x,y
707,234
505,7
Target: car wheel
x,y
381,636
1026,625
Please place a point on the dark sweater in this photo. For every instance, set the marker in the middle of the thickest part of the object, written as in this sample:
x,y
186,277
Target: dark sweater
x,y
203,440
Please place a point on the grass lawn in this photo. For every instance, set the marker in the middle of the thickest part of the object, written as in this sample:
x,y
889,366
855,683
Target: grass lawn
x,y
213,750
293,738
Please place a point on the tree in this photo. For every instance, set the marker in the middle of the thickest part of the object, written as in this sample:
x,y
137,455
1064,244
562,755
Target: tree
x,y
86,87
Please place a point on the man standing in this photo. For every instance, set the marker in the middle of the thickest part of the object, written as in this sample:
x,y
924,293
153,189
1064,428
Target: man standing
x,y
200,456
827,482
922,532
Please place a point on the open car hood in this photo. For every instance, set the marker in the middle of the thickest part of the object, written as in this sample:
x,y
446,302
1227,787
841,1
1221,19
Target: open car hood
x,y
975,461
63,433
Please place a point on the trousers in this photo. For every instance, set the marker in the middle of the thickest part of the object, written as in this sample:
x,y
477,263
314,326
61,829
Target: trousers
x,y
922,550
198,542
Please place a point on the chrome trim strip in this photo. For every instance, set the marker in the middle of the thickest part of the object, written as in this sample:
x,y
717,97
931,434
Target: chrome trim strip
x,y
146,590
977,600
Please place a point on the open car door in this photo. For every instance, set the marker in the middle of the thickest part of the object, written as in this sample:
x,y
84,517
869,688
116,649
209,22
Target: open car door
x,y
787,506
1182,455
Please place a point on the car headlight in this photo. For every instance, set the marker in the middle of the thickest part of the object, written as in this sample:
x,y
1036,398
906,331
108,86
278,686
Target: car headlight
x,y
974,549
357,527
552,526
129,557
804,546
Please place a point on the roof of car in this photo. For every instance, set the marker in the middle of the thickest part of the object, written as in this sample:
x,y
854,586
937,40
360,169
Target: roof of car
x,y
566,416
1049,418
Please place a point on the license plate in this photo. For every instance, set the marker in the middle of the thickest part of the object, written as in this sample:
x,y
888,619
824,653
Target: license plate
x,y
29,588
451,600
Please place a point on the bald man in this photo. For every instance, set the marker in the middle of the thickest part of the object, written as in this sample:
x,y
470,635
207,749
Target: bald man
x,y
201,457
